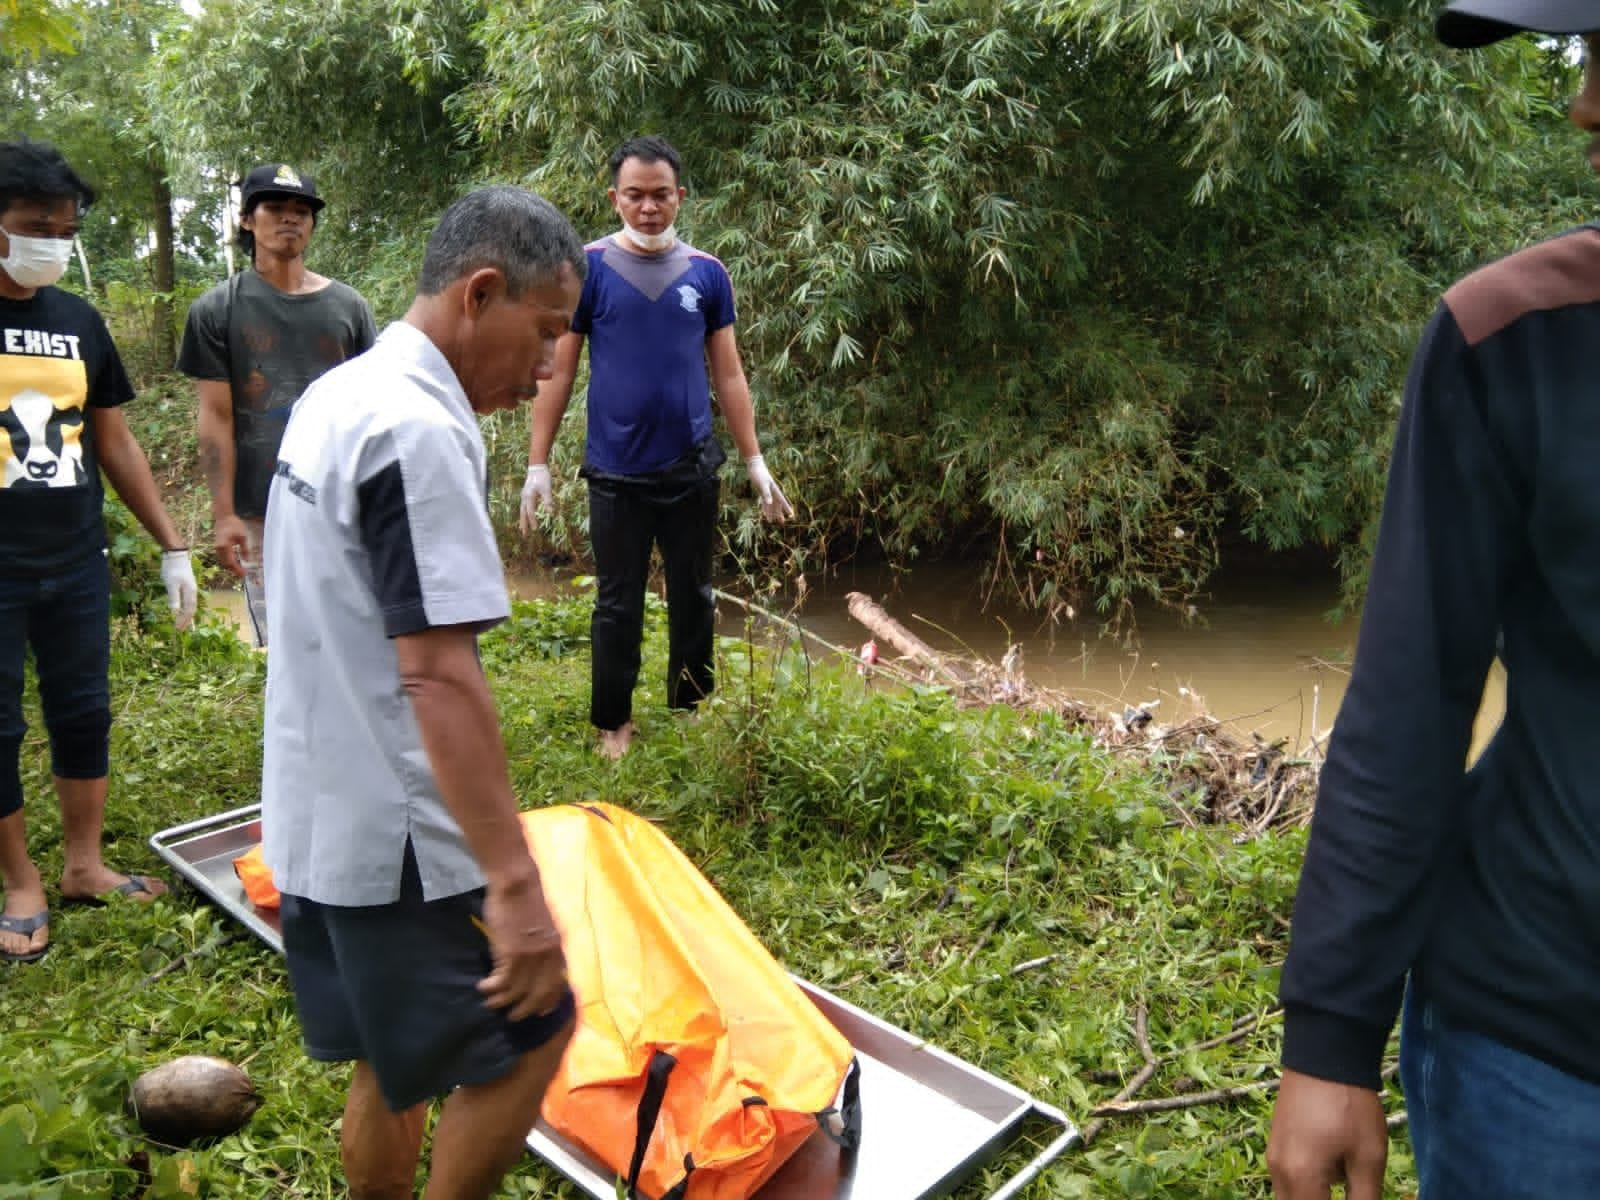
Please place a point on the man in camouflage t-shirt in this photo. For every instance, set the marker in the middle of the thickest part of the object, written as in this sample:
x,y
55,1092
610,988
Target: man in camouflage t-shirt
x,y
252,346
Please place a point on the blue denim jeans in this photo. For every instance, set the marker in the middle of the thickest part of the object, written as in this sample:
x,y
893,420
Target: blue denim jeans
x,y
1491,1123
65,618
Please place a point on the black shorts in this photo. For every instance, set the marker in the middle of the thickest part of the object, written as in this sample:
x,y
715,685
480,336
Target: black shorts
x,y
396,985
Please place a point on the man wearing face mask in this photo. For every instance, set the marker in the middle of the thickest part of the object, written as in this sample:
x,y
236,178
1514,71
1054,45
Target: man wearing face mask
x,y
62,386
656,311
253,345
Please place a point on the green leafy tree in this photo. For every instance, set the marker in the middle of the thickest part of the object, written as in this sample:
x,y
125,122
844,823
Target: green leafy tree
x,y
1342,169
1084,282
351,90
82,93
28,27
1082,288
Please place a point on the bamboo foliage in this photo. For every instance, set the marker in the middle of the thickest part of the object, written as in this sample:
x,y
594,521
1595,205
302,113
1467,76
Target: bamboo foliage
x,y
1085,280
1078,286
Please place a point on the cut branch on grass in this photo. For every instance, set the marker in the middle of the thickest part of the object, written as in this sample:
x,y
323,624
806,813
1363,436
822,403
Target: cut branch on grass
x,y
1222,1095
1033,964
1112,1109
1147,1072
203,950
1123,1103
1242,1028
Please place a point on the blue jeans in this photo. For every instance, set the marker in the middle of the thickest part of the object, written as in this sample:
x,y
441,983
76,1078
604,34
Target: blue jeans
x,y
65,618
1489,1122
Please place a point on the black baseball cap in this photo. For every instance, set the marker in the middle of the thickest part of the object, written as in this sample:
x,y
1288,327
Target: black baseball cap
x,y
279,179
1470,23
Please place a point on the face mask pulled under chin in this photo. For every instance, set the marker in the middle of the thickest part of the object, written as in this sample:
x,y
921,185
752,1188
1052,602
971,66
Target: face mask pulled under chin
x,y
35,262
651,241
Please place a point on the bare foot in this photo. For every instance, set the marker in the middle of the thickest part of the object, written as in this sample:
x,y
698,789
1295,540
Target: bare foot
x,y
614,743
21,904
99,883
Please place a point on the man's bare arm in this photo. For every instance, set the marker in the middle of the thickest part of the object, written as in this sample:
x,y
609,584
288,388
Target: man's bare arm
x,y
733,390
123,461
217,461
555,393
460,729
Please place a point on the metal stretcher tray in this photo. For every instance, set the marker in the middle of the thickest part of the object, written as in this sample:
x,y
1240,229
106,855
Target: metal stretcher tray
x,y
929,1119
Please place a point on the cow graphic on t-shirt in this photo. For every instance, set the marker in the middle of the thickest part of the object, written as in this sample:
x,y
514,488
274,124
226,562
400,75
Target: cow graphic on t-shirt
x,y
44,442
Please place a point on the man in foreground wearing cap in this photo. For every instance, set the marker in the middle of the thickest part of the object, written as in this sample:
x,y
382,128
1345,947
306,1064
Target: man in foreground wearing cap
x,y
252,346
415,928
1472,895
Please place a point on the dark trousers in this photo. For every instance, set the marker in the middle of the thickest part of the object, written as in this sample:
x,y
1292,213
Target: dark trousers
x,y
625,520
65,619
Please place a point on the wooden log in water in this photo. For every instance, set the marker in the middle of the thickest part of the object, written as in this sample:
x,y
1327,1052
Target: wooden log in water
x,y
906,643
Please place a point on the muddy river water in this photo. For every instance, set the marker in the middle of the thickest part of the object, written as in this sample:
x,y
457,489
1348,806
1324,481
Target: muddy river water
x,y
1264,656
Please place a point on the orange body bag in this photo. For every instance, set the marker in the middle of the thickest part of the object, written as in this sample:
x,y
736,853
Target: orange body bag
x,y
697,1066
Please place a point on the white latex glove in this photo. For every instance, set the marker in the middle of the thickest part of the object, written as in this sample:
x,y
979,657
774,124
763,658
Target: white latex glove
x,y
178,575
535,491
774,505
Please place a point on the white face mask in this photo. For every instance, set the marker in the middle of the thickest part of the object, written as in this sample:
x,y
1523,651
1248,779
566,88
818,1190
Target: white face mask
x,y
36,262
651,241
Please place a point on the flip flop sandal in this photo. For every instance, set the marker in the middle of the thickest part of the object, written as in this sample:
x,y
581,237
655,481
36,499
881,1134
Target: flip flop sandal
x,y
133,885
27,927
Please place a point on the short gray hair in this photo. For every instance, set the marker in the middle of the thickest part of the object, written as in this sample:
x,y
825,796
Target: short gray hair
x,y
521,234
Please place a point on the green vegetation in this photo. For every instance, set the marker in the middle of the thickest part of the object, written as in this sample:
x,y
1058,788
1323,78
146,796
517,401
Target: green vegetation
x,y
903,853
1079,288
1087,289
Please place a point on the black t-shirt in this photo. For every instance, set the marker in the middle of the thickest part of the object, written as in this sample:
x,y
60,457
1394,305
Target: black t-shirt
x,y
1484,882
57,362
269,346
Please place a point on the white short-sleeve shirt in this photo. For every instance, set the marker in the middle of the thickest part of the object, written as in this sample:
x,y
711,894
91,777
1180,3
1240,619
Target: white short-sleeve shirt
x,y
377,526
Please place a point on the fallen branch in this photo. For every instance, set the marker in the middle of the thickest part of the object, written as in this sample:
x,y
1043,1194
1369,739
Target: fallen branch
x,y
803,636
1124,1108
1022,968
800,633
1033,963
1242,1028
187,957
902,639
1120,1107
1141,1034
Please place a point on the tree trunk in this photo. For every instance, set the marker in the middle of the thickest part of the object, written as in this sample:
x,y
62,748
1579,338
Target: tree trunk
x,y
161,220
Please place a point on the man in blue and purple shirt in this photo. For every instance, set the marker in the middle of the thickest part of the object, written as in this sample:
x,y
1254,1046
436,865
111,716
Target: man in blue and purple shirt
x,y
657,313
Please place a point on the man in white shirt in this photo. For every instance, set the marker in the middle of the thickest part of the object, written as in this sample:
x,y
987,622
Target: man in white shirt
x,y
415,929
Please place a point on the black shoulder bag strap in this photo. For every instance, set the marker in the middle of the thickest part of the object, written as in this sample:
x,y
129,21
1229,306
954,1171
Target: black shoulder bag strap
x,y
227,315
655,1091
848,1136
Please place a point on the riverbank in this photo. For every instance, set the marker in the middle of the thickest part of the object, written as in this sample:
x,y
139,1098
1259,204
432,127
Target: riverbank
x,y
1262,654
987,878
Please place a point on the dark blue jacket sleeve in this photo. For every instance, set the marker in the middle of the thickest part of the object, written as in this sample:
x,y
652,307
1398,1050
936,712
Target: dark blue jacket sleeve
x,y
1451,530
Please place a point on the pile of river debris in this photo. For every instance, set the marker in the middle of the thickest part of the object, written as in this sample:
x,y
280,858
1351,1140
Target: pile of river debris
x,y
1213,775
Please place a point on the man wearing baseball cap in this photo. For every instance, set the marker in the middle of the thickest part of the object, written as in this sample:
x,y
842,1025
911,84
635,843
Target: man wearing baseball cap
x,y
1469,898
252,346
